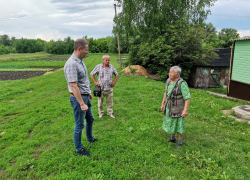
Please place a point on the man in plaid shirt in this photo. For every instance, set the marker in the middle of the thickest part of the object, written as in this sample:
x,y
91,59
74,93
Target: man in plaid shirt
x,y
105,72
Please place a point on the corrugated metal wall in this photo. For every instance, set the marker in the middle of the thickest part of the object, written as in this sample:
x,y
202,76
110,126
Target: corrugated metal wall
x,y
240,66
241,62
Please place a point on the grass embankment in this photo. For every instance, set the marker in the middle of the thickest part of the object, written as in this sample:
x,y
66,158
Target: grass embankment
x,y
219,90
36,141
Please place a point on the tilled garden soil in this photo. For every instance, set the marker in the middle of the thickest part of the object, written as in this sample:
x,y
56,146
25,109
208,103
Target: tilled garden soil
x,y
14,75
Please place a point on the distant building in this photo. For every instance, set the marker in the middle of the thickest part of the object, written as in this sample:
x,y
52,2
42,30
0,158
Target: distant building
x,y
239,78
213,74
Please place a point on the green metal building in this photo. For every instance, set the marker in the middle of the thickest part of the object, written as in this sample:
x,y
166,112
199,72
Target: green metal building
x,y
239,73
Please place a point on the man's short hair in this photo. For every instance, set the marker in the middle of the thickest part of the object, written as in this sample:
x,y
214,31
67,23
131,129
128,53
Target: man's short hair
x,y
105,56
80,43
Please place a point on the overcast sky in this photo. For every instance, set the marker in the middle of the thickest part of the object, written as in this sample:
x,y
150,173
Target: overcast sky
x,y
57,19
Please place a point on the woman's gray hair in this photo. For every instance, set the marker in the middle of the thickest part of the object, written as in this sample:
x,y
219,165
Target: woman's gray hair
x,y
176,69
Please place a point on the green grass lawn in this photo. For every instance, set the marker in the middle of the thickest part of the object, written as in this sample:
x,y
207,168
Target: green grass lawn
x,y
36,133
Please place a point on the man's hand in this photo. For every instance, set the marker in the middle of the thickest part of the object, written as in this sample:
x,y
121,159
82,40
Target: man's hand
x,y
97,84
84,107
113,84
90,96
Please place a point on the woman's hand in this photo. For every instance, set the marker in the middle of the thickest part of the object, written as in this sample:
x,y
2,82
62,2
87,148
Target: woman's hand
x,y
162,107
185,110
184,113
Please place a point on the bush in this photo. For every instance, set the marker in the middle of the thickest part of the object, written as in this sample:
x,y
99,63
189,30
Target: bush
x,y
183,48
28,45
4,50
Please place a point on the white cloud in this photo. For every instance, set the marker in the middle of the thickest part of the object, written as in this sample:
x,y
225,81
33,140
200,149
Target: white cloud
x,y
244,33
101,22
58,19
84,6
41,36
65,15
22,13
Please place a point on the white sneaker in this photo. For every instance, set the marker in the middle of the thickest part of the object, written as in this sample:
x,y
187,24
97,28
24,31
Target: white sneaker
x,y
112,116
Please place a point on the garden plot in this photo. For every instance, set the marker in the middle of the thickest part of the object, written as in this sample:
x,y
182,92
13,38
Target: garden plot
x,y
57,58
15,74
24,69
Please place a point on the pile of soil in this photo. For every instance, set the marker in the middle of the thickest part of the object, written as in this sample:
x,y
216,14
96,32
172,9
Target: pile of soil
x,y
139,70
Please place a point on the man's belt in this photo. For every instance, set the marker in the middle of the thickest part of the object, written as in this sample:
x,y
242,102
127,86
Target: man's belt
x,y
71,94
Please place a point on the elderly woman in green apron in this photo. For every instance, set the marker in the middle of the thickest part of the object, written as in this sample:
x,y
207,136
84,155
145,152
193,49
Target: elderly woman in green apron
x,y
175,104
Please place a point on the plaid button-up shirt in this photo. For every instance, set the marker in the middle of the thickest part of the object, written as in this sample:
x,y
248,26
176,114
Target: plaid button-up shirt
x,y
76,71
104,75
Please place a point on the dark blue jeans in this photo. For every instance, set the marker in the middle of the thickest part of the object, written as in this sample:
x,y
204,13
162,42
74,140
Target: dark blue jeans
x,y
79,116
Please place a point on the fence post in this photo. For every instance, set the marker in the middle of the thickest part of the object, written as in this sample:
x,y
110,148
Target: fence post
x,y
118,41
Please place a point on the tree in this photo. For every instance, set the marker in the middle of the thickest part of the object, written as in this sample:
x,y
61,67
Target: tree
x,y
5,40
173,48
225,36
4,50
152,17
98,45
56,47
69,45
12,40
170,33
210,36
28,45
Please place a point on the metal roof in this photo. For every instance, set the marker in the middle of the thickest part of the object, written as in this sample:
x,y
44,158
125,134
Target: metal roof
x,y
242,39
222,61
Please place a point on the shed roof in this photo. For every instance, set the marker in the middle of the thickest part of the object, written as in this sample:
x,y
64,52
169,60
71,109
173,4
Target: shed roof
x,y
223,59
242,39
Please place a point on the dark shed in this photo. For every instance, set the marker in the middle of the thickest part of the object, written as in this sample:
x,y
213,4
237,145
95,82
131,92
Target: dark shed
x,y
213,74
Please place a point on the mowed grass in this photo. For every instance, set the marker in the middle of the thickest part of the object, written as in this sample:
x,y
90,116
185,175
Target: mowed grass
x,y
36,127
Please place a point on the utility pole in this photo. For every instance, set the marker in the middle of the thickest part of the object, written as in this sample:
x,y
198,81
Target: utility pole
x,y
118,41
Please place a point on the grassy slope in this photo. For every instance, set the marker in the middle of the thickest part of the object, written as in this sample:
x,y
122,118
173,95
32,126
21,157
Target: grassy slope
x,y
37,119
23,55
